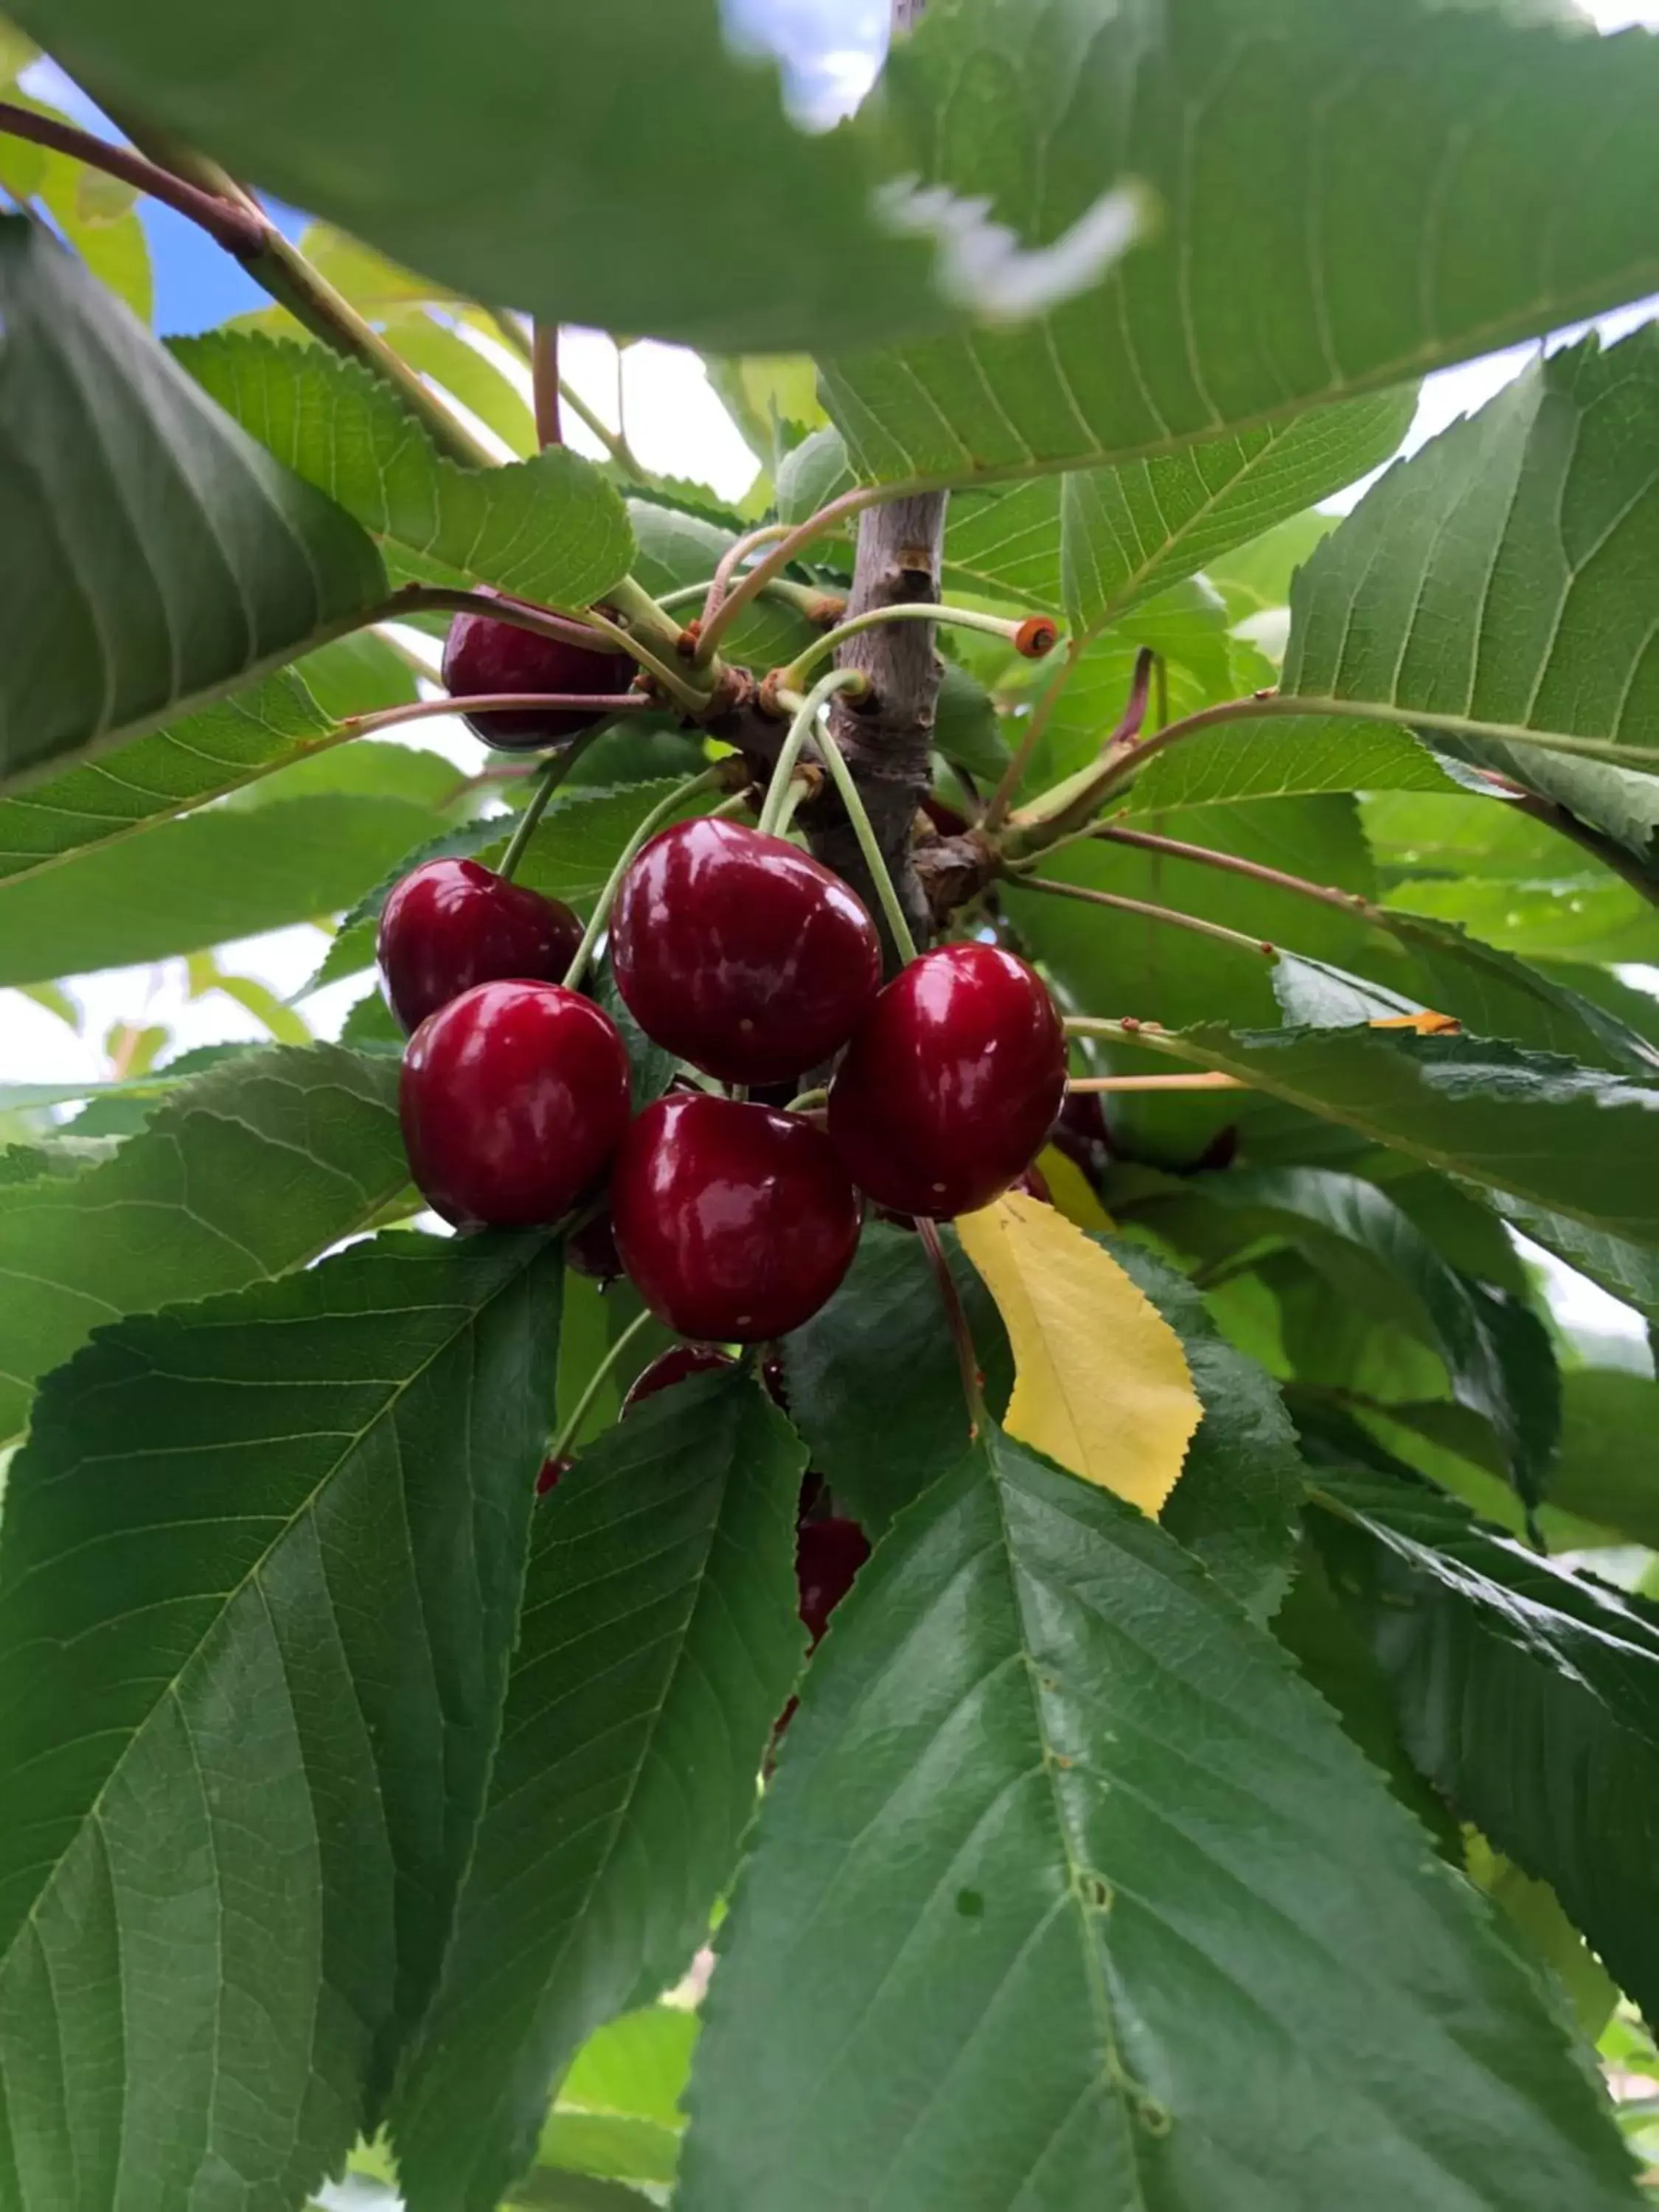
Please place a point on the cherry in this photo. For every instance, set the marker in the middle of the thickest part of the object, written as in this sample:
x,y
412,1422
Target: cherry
x,y
1081,1134
482,655
673,1366
735,1222
1034,1184
450,924
514,1097
553,1473
828,1555
952,1086
590,1250
740,953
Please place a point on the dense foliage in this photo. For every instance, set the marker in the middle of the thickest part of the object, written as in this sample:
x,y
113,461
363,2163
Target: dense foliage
x,y
1230,1779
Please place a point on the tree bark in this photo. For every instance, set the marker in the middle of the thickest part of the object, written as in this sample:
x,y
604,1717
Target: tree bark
x,y
887,737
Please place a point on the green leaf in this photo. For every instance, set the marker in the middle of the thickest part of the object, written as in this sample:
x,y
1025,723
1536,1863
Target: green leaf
x,y
1374,1258
220,874
551,529
1627,1271
356,674
873,1382
1347,197
152,555
1606,1470
554,201
93,212
1256,578
260,1568
251,1169
1132,531
1527,1693
675,549
1236,1506
1569,1140
658,1642
1499,582
965,726
1277,760
1088,1881
157,777
443,354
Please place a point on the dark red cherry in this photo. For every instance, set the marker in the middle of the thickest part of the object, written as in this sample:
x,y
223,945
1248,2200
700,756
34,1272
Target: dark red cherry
x,y
553,1473
740,953
514,1097
673,1366
952,1086
592,1251
828,1555
1034,1184
450,924
735,1222
1080,1133
482,655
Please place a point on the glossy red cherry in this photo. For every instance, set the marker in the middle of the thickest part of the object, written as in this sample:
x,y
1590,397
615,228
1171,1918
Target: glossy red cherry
x,y
591,1249
735,1222
740,953
828,1556
1034,1184
952,1086
673,1366
450,924
514,1097
482,655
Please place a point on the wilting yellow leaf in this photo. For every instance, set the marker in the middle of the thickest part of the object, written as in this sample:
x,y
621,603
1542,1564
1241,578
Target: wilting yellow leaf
x,y
1072,1192
1100,1380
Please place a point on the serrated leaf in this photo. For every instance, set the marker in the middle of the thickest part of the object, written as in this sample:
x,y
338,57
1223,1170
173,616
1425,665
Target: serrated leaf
x,y
659,1643
551,529
1546,1132
253,1168
1278,760
675,549
873,1382
1088,1881
220,874
153,556
260,1573
1348,198
93,211
1606,1472
1496,583
1101,1382
531,153
441,353
1236,1506
1131,533
1528,1695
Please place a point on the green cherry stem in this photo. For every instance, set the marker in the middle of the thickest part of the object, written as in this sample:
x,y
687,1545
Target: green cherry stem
x,y
552,776
1033,639
720,615
571,1429
663,811
800,729
842,776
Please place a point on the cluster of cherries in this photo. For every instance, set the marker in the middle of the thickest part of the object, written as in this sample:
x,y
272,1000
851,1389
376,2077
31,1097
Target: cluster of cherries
x,y
735,1218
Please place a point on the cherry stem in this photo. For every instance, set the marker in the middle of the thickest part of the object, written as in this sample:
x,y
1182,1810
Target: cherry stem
x,y
1035,627
493,702
1003,796
570,1429
961,1336
545,386
1211,1081
1070,805
806,598
233,227
805,1101
520,614
1328,893
841,775
726,609
733,559
663,811
1151,913
552,776
800,729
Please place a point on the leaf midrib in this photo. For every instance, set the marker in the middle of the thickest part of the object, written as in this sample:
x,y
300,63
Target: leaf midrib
x,y
252,1578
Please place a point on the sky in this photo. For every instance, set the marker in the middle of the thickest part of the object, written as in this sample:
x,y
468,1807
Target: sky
x,y
829,48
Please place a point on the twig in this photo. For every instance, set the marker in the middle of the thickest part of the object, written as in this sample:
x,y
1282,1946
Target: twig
x,y
1151,913
236,229
544,383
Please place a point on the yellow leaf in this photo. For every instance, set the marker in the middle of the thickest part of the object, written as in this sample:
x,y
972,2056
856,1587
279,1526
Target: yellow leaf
x,y
1073,1193
1100,1380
